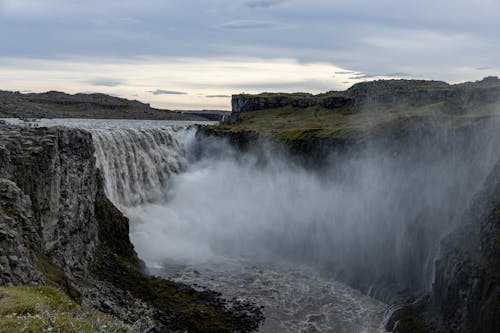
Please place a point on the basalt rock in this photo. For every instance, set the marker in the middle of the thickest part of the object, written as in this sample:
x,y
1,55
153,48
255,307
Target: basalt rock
x,y
248,103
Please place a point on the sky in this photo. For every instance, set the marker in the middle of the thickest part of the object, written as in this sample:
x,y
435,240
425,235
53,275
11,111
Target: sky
x,y
194,54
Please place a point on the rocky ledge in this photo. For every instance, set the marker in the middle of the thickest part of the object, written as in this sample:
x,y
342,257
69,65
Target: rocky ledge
x,y
58,228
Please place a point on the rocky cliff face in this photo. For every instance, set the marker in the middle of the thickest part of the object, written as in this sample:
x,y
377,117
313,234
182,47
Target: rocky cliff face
x,y
378,92
248,103
466,288
54,170
465,296
57,227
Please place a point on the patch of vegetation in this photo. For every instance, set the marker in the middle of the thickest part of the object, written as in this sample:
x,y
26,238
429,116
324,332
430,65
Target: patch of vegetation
x,y
46,309
346,123
54,276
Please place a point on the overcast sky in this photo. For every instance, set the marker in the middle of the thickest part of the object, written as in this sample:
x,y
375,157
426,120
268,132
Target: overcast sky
x,y
194,54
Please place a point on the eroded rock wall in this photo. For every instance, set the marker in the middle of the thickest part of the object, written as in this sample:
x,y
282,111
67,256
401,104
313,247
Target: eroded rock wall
x,y
55,169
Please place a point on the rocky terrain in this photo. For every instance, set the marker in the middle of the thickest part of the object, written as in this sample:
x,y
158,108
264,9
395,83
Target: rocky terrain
x,y
54,104
58,228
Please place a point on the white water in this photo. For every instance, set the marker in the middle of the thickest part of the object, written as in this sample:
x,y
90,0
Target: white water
x,y
263,231
172,226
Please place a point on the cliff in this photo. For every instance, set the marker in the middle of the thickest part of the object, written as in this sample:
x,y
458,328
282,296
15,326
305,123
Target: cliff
x,y
376,92
54,104
58,228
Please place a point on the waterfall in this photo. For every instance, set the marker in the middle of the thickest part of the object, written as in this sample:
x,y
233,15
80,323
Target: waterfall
x,y
137,163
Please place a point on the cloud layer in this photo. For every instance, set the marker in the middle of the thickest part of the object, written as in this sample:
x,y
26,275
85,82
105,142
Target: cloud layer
x,y
453,40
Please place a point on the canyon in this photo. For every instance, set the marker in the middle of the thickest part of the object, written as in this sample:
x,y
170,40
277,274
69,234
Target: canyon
x,y
386,195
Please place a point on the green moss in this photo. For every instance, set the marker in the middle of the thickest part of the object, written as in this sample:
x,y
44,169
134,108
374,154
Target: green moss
x,y
187,309
55,277
46,309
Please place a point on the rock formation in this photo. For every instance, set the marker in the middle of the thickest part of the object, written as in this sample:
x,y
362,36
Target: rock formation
x,y
382,91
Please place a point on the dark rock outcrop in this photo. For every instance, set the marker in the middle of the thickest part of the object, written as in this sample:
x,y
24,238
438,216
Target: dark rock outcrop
x,y
248,103
465,295
17,232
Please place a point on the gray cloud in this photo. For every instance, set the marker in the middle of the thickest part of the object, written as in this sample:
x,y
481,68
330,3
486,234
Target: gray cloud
x,y
363,76
365,36
263,3
345,73
218,96
103,82
250,25
400,74
484,68
167,92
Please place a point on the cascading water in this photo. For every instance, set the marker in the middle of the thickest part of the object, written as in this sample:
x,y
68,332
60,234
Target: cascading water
x,y
281,235
137,163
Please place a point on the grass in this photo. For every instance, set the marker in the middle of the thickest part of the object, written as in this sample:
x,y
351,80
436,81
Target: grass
x,y
289,123
47,309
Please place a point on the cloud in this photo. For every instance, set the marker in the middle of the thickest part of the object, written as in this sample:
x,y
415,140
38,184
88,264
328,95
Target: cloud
x,y
361,76
263,3
345,72
167,92
250,25
103,82
218,96
484,68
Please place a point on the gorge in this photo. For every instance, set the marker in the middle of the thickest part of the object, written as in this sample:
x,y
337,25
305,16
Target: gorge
x,y
391,202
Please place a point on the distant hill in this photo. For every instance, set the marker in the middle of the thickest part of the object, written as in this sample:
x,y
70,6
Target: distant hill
x,y
54,104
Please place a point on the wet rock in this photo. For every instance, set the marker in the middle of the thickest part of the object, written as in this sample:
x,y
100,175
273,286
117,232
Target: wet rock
x,y
13,260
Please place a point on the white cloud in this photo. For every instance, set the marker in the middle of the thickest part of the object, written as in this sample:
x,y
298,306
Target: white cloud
x,y
167,92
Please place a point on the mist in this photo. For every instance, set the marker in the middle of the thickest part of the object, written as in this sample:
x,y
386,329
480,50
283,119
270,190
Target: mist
x,y
373,217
